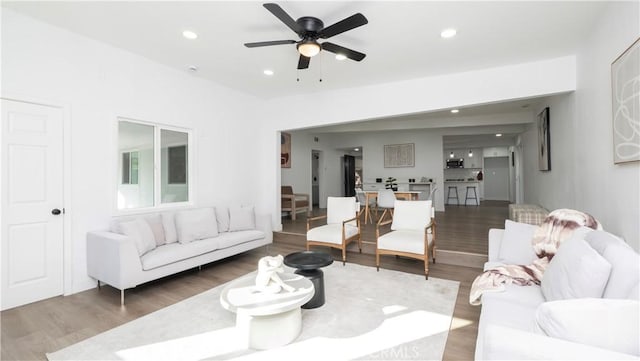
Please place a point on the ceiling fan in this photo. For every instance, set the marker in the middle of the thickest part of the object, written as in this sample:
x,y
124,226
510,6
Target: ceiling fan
x,y
309,30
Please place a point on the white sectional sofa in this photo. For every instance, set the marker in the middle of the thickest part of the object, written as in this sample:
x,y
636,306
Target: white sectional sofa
x,y
586,307
142,248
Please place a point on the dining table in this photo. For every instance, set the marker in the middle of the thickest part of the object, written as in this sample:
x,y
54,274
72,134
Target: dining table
x,y
406,195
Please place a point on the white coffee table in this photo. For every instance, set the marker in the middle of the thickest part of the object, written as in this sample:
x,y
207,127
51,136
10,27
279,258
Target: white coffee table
x,y
267,320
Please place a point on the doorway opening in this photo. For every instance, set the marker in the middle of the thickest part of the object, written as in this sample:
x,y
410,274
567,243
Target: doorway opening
x,y
315,178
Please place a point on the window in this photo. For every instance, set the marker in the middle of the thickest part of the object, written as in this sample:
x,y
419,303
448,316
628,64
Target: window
x,y
153,165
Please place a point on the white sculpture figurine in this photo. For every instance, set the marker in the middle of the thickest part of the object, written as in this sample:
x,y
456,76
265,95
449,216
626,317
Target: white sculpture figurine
x,y
267,280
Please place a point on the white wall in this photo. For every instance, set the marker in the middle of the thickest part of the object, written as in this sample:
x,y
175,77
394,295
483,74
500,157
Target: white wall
x,y
583,175
556,188
96,83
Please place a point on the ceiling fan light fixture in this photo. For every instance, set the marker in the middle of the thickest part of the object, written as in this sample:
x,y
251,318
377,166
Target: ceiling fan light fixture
x,y
309,48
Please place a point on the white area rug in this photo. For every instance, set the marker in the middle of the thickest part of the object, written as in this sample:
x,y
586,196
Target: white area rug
x,y
367,315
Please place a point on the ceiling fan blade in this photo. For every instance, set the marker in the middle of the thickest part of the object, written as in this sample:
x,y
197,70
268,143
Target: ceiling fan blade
x,y
337,49
341,26
276,10
268,43
303,62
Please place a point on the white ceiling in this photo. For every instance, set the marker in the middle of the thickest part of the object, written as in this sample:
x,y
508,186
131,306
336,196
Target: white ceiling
x,y
402,41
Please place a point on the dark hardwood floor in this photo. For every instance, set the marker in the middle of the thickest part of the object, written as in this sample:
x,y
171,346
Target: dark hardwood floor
x,y
27,332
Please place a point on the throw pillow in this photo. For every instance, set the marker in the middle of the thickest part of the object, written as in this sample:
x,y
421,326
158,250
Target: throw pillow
x,y
140,233
576,271
169,225
516,247
155,223
241,219
222,217
196,224
608,323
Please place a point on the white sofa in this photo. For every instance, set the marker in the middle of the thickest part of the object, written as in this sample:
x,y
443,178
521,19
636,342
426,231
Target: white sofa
x,y
142,248
586,307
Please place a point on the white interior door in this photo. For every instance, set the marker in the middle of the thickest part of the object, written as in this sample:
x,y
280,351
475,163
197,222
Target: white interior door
x,y
32,189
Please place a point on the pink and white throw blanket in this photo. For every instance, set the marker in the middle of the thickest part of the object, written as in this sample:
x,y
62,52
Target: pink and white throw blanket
x,y
556,228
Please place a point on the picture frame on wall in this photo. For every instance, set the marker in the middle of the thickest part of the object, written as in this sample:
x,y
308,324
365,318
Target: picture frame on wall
x,y
625,103
285,150
399,155
544,141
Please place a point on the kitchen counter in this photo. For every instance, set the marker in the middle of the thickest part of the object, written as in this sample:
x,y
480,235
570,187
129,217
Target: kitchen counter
x,y
462,181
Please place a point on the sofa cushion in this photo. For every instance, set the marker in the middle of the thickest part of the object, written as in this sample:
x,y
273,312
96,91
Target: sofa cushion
x,y
516,247
169,225
222,217
174,252
194,224
606,323
331,233
530,296
140,233
241,219
576,271
155,223
230,239
625,263
507,312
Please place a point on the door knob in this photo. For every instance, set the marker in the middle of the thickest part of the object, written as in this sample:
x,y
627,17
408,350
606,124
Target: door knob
x,y
55,211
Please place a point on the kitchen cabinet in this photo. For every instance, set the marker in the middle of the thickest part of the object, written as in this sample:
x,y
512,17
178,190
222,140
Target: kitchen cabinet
x,y
474,161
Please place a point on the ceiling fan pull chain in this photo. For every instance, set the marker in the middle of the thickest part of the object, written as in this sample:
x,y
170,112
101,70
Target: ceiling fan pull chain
x,y
321,62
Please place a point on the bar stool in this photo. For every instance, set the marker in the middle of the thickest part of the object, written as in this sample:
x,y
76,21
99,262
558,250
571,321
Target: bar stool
x,y
474,197
450,195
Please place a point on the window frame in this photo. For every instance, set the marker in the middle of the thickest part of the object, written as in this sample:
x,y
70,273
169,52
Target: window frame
x,y
157,167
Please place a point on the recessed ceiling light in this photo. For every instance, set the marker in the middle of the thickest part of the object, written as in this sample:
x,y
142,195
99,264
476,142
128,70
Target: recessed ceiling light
x,y
268,72
499,135
356,149
193,68
189,34
448,33
341,56
454,111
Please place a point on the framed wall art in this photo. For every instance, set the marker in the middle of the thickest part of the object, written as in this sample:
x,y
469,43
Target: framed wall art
x,y
399,155
625,92
544,141
285,150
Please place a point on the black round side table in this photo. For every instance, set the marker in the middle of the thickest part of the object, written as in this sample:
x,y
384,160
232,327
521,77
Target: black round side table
x,y
308,264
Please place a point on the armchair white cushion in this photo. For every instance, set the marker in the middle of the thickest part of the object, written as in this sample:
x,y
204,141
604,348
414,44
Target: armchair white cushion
x,y
332,233
404,241
343,226
411,233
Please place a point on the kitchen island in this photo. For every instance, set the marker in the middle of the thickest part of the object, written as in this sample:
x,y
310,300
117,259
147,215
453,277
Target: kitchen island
x,y
461,184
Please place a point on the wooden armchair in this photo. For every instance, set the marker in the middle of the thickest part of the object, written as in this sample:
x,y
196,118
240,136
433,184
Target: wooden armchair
x,y
294,202
342,228
413,233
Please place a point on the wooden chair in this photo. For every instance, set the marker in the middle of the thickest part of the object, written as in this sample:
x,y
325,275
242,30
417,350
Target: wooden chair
x,y
373,205
413,233
342,228
294,202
